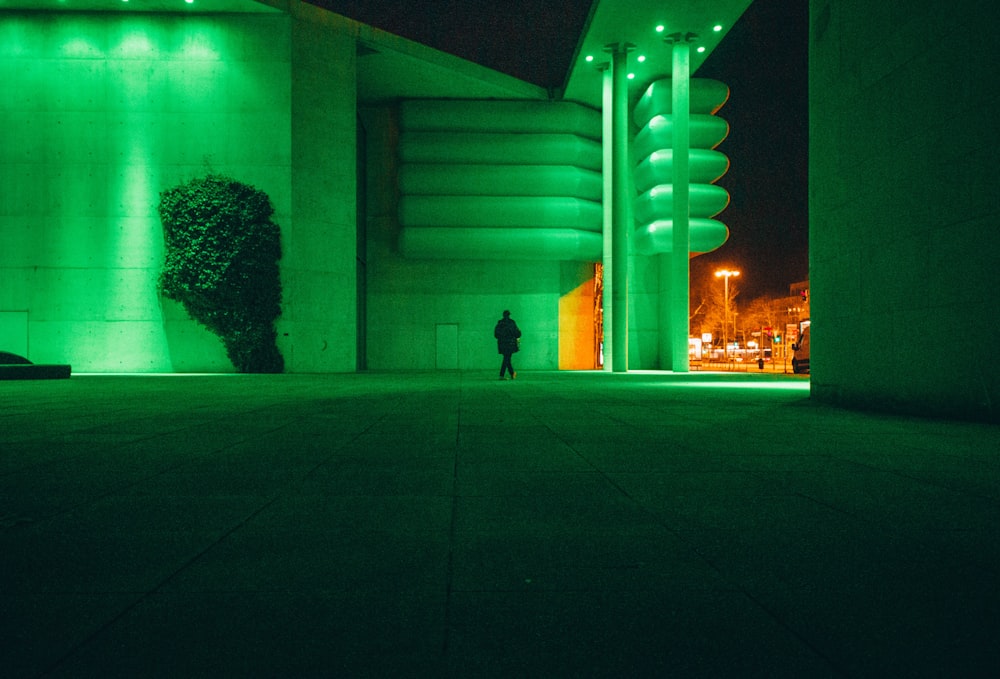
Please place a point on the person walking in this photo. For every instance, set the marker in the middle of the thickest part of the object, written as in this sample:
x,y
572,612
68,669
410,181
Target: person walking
x,y
507,334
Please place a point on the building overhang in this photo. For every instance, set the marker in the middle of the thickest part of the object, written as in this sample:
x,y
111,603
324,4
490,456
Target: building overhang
x,y
133,6
389,67
645,25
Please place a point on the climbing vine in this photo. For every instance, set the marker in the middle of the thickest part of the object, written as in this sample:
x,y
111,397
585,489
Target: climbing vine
x,y
222,252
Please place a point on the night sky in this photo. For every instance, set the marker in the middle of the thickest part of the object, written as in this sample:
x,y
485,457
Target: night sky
x,y
763,59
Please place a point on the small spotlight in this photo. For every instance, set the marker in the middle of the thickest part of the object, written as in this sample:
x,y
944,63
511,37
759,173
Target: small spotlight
x,y
631,76
717,27
642,58
701,49
660,28
590,57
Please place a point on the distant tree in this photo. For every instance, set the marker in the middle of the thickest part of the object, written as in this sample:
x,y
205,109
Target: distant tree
x,y
708,306
222,252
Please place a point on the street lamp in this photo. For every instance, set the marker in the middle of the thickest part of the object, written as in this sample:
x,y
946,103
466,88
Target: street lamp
x,y
726,273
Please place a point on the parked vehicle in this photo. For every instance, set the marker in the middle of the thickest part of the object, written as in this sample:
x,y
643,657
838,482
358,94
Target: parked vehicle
x,y
800,349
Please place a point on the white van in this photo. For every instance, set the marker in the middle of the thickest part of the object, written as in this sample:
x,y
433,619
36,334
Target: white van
x,y
800,357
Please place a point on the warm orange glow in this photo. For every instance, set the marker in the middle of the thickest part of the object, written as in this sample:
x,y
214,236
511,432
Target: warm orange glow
x,y
577,344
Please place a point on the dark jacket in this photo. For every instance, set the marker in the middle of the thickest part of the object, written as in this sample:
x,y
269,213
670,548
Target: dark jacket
x,y
506,333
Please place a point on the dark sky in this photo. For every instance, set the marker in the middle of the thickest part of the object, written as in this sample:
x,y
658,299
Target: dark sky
x,y
763,59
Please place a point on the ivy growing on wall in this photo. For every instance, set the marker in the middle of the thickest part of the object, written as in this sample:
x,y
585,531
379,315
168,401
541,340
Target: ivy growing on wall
x,y
222,252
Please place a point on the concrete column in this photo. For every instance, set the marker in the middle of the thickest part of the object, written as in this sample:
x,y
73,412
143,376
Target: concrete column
x,y
680,269
621,204
607,260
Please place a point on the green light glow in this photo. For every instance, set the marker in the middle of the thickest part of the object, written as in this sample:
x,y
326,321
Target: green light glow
x,y
660,28
790,385
590,57
80,48
717,27
135,45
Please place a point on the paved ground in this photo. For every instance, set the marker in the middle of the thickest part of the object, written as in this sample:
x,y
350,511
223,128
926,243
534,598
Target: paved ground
x,y
452,525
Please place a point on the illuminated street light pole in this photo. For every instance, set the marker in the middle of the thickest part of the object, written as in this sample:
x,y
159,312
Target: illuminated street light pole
x,y
725,318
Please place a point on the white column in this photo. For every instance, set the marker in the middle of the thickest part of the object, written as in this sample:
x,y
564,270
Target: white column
x,y
607,258
621,204
680,269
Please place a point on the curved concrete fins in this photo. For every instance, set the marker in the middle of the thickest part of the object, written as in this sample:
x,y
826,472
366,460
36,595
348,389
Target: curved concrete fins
x,y
655,237
707,132
653,173
500,116
707,200
501,211
705,167
500,179
488,148
501,243
707,96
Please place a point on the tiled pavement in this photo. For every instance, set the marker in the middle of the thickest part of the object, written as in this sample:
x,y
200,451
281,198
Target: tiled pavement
x,y
452,525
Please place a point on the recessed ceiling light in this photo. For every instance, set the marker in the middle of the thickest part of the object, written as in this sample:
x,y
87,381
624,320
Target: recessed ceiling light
x,y
701,49
717,27
590,57
659,29
642,58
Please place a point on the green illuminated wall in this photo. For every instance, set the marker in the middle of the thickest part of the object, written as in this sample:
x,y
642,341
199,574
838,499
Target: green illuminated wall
x,y
903,206
497,206
500,180
102,111
318,327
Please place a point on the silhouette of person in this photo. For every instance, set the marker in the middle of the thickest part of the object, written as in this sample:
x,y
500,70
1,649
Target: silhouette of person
x,y
507,334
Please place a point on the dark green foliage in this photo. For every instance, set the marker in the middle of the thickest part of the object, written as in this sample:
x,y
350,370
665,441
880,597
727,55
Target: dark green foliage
x,y
222,252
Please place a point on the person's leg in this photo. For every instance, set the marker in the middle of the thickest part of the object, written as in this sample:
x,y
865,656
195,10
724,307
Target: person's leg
x,y
506,366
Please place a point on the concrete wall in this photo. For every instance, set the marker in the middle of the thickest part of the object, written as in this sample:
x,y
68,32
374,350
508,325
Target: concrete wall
x,y
903,206
430,314
318,326
100,113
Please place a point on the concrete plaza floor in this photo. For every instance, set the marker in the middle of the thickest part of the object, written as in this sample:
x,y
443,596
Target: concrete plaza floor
x,y
453,525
